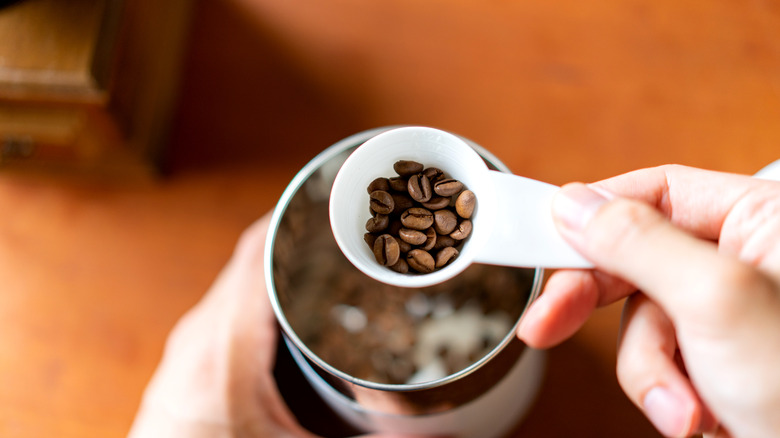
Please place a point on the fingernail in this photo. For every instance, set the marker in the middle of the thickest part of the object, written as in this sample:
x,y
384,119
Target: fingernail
x,y
668,412
575,204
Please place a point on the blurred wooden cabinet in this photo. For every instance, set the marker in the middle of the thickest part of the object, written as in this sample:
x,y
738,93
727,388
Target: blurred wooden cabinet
x,y
89,85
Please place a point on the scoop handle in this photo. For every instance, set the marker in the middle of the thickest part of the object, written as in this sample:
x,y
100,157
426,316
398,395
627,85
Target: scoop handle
x,y
523,232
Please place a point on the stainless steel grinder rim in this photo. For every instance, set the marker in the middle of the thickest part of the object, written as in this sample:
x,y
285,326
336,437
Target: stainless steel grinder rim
x,y
295,184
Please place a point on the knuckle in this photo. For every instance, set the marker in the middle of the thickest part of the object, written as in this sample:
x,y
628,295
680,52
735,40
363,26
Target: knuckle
x,y
251,242
670,168
737,276
762,203
254,234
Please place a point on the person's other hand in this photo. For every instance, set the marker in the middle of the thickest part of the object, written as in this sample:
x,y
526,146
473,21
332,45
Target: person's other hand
x,y
215,378
698,255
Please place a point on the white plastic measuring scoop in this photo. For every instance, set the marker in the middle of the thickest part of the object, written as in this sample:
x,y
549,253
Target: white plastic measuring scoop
x,y
512,223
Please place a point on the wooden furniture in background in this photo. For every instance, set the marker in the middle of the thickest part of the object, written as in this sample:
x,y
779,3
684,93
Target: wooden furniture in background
x,y
88,84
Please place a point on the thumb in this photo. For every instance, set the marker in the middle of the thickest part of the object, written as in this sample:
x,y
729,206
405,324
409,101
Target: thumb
x,y
724,311
632,240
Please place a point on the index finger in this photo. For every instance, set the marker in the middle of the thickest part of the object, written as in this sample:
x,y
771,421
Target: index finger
x,y
695,200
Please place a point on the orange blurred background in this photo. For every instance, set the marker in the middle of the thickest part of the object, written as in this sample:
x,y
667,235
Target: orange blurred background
x,y
564,91
93,276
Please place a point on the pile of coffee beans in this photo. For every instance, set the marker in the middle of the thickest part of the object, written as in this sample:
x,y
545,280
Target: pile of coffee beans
x,y
419,218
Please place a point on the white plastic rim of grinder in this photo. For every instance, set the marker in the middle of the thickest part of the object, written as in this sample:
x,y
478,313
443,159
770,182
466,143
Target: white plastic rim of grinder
x,y
512,222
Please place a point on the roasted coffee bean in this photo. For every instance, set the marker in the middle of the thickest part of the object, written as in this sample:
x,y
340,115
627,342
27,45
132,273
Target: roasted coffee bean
x,y
386,250
382,202
437,203
444,221
407,167
465,203
382,184
430,239
448,187
463,230
402,203
417,218
377,223
399,184
413,237
370,238
419,211
433,173
444,242
420,188
445,256
400,266
403,246
421,261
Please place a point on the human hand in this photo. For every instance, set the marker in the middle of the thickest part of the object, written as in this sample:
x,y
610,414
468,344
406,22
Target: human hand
x,y
700,345
215,378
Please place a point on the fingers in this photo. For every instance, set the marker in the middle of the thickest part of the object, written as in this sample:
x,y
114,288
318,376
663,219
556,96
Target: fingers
x,y
750,231
237,329
633,241
251,245
716,302
681,194
568,299
242,280
649,373
685,195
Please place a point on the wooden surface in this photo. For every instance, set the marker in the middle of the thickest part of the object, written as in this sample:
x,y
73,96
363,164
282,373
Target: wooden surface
x,y
49,42
89,85
93,275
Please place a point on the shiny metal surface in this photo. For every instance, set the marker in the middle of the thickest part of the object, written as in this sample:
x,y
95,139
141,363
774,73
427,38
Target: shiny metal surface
x,y
306,195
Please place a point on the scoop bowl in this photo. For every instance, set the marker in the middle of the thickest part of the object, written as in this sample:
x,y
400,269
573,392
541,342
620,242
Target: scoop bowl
x,y
512,222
